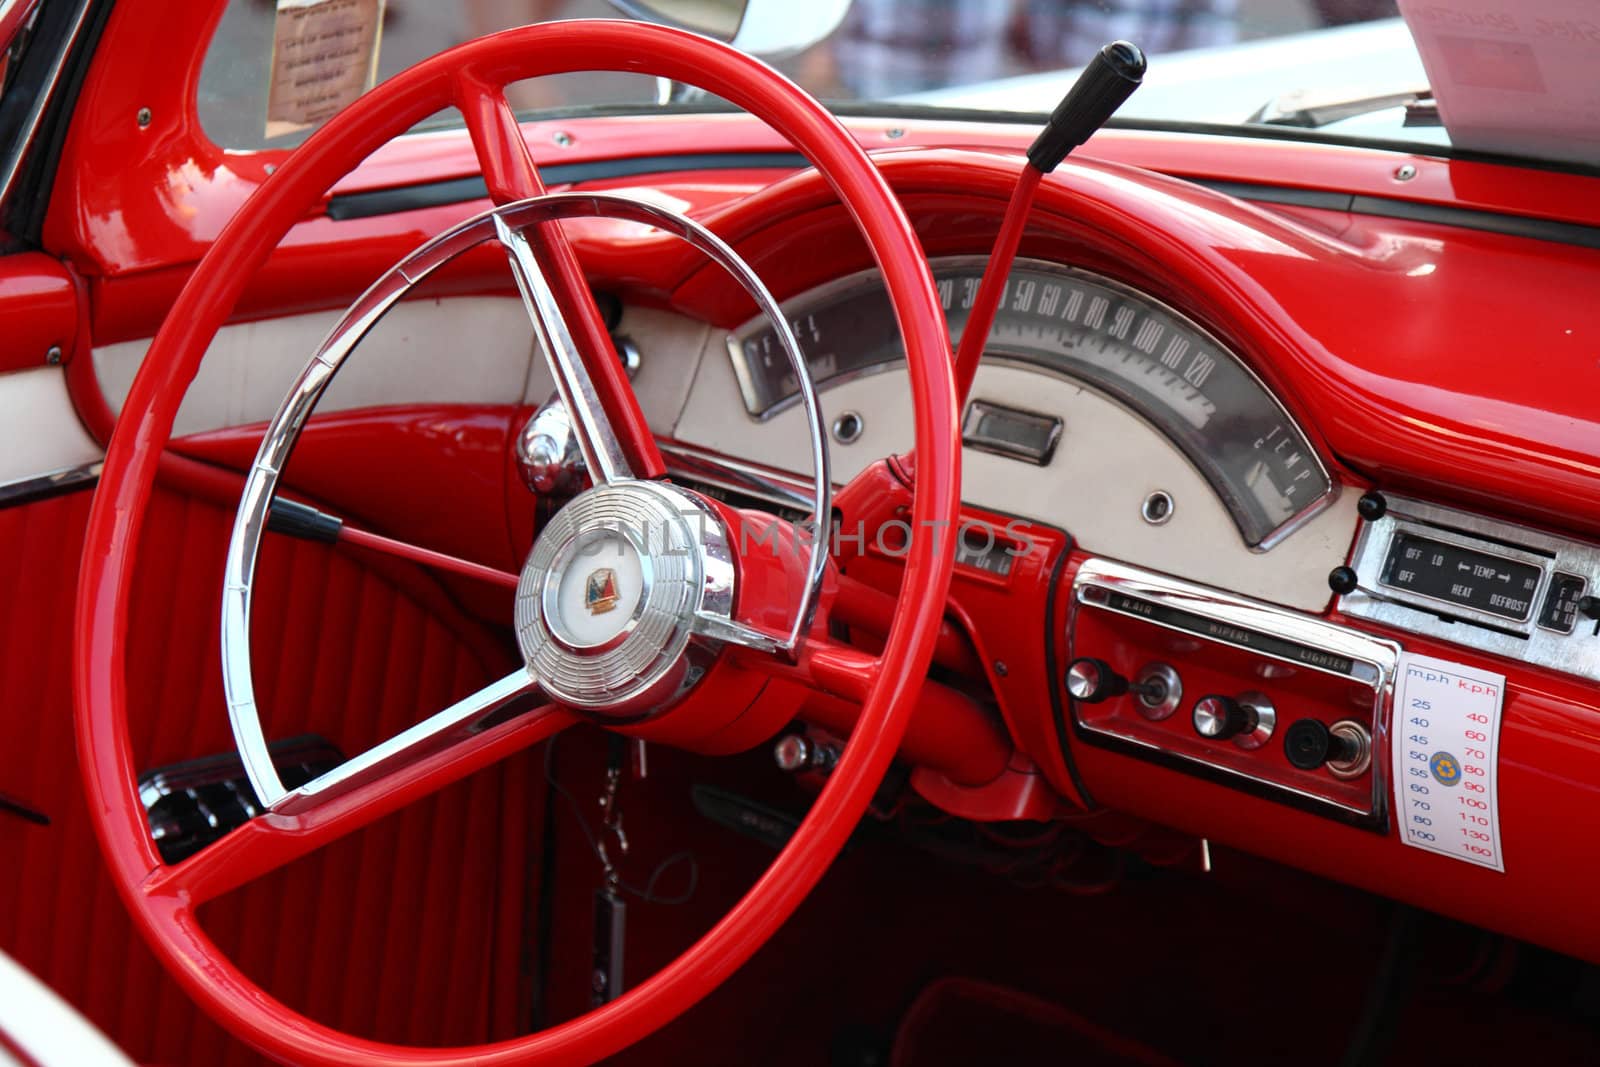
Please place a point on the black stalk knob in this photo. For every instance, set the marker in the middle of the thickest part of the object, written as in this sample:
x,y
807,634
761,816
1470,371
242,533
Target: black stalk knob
x,y
1109,79
303,521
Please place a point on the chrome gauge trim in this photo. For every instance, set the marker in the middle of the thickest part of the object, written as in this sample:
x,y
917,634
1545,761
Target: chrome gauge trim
x,y
1235,621
1245,477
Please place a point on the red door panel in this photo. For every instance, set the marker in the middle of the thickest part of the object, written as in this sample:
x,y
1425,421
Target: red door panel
x,y
407,931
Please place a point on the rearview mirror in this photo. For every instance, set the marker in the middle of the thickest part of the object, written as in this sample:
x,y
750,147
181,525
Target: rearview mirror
x,y
768,29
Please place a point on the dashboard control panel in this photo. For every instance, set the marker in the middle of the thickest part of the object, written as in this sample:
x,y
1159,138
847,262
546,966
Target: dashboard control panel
x,y
1495,586
1257,697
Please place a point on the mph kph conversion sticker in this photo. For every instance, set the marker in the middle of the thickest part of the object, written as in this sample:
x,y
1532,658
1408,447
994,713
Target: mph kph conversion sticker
x,y
1445,737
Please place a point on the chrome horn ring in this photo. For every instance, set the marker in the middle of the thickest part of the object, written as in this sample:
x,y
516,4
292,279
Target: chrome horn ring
x,y
618,677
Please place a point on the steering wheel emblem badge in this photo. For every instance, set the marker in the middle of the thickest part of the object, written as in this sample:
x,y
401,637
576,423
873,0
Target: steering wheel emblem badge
x,y
616,586
600,594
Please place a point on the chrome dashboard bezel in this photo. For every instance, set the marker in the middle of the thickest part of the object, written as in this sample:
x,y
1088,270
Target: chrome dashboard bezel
x,y
1097,578
1575,652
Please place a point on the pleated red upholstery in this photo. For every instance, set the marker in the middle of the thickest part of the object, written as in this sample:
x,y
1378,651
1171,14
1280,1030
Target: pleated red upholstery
x,y
407,931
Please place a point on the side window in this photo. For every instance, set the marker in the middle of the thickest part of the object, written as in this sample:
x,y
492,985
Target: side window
x,y
17,20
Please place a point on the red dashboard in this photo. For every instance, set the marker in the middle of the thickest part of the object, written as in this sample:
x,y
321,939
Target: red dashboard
x,y
1421,354
1432,335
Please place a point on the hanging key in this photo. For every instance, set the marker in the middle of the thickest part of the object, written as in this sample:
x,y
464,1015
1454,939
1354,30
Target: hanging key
x,y
610,910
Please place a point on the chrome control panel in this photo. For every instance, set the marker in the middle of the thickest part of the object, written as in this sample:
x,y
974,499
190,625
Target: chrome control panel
x,y
1495,586
1250,695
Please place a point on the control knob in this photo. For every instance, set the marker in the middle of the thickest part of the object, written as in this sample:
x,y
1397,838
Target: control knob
x,y
1248,721
1092,680
797,752
1219,718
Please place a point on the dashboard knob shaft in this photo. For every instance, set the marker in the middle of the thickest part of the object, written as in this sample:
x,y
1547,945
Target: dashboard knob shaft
x,y
1219,718
1092,680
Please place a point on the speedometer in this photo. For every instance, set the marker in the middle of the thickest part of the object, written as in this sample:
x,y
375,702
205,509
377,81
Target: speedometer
x,y
1092,329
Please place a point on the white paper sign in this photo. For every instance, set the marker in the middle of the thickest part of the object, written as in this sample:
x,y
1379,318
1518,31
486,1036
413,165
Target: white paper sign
x,y
1445,737
1513,76
324,56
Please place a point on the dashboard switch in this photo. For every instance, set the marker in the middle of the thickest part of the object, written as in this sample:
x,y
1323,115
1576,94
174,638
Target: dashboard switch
x,y
1092,680
1159,690
1372,506
1248,721
796,752
1220,717
1344,580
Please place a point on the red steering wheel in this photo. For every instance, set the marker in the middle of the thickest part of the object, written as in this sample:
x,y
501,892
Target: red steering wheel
x,y
472,77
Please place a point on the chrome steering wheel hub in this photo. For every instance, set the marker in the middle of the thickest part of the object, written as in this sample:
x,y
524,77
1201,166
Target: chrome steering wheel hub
x,y
614,589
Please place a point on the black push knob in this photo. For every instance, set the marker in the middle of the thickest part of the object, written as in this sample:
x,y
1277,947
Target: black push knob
x,y
1344,580
1309,744
1219,718
1372,506
1589,606
1092,680
1108,80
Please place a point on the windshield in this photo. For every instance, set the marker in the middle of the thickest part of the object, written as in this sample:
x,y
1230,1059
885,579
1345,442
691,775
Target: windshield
x,y
266,81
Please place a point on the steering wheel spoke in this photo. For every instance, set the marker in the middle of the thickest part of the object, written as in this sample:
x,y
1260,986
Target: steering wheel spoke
x,y
437,752
508,168
565,317
838,668
821,663
602,452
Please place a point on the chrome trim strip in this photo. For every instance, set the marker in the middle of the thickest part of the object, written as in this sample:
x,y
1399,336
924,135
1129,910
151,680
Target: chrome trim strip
x,y
702,465
12,164
1379,656
37,487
